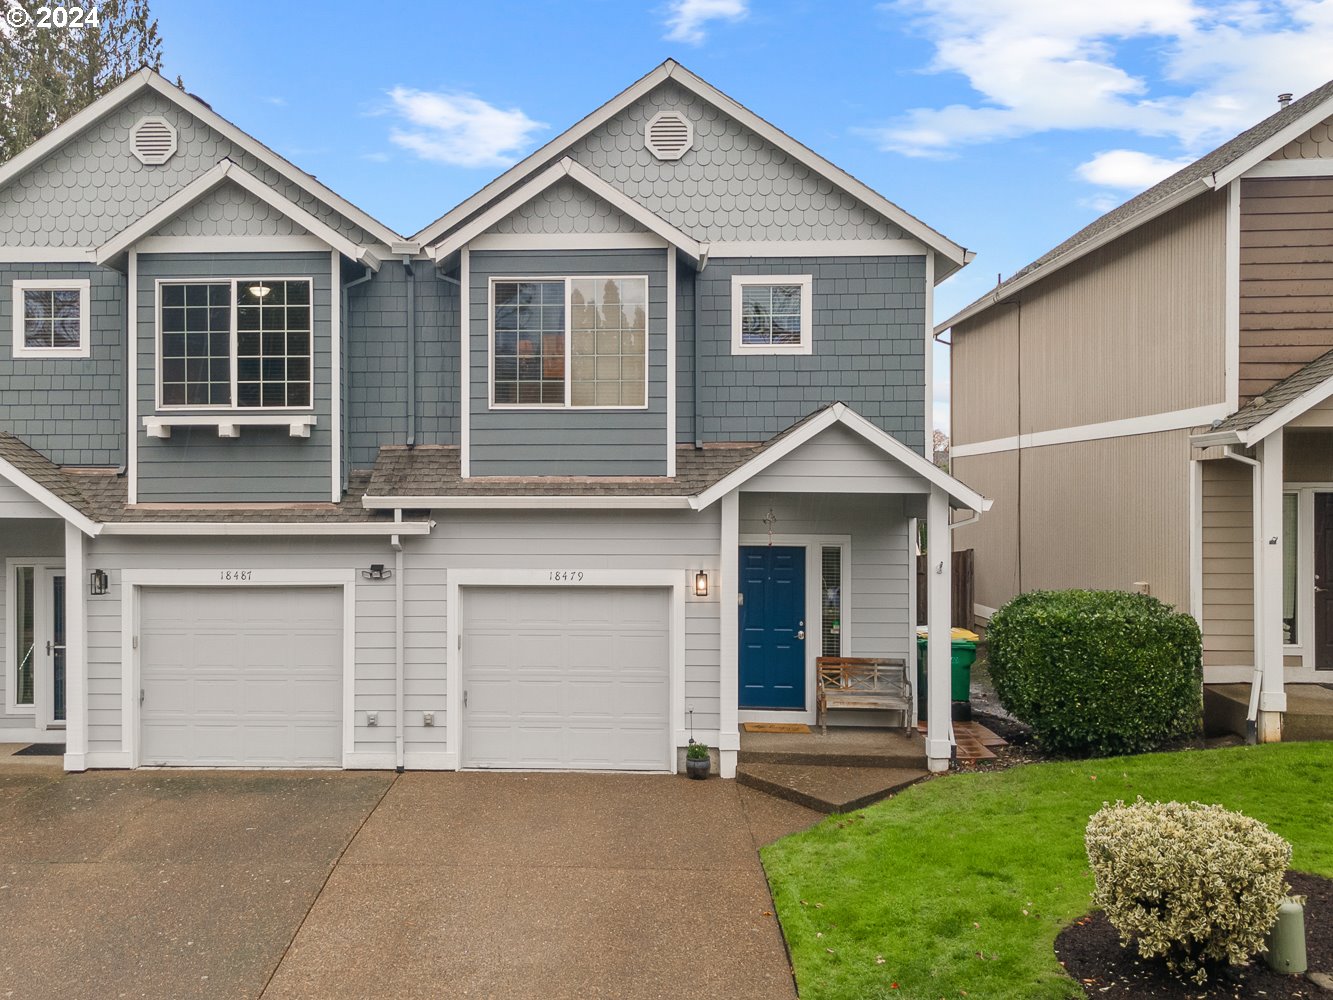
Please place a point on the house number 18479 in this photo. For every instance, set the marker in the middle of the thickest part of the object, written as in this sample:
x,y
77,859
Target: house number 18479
x,y
235,575
567,575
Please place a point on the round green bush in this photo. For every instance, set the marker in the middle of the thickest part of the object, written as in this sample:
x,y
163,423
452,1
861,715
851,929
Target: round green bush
x,y
1097,671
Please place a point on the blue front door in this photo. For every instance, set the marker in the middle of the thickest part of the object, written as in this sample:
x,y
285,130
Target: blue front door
x,y
772,627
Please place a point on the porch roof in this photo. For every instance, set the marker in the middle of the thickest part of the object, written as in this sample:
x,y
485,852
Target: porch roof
x,y
1279,405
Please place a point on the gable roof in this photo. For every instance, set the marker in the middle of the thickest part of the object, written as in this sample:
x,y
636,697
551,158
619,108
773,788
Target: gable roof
x,y
1276,407
226,171
580,174
952,252
48,484
1208,173
147,79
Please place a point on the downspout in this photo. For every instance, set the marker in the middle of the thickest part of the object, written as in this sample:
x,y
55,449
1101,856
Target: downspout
x,y
345,308
411,351
1257,678
399,660
698,406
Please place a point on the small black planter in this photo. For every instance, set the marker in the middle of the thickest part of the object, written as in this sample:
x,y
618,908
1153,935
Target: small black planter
x,y
698,769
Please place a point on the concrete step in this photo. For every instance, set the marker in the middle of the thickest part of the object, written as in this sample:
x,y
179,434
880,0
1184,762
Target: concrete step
x,y
908,758
825,788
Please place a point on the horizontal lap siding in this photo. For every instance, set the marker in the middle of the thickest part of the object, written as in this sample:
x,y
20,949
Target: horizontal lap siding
x,y
838,459
22,538
194,464
557,441
1286,272
1228,564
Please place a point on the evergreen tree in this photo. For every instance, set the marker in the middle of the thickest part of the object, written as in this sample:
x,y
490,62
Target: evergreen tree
x,y
49,74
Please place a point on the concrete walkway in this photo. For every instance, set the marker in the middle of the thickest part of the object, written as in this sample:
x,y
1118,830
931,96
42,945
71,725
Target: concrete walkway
x,y
343,885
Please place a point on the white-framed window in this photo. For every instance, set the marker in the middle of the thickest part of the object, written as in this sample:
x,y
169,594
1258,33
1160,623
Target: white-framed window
x,y
235,344
51,318
575,343
771,314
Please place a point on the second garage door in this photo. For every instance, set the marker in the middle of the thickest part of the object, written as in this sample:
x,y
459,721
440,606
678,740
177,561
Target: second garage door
x,y
241,677
566,679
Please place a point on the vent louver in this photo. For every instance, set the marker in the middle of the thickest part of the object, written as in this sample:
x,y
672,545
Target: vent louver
x,y
669,135
153,140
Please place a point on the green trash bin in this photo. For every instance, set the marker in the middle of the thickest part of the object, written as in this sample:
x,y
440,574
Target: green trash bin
x,y
962,656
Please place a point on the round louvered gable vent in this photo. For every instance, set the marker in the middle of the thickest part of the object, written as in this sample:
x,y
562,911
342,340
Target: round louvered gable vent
x,y
669,135
153,140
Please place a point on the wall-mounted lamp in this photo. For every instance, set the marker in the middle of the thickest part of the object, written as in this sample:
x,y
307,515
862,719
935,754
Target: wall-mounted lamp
x,y
701,584
377,572
98,583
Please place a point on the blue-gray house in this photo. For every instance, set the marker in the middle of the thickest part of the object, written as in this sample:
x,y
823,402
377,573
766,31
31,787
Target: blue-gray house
x,y
604,457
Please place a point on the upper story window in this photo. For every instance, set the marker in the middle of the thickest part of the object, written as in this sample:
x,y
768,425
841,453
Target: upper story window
x,y
569,342
239,344
51,318
771,314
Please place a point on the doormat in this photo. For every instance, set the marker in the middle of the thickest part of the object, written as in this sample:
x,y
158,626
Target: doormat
x,y
775,727
41,750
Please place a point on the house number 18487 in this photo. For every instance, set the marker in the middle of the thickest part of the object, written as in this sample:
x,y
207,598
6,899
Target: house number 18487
x,y
235,575
567,575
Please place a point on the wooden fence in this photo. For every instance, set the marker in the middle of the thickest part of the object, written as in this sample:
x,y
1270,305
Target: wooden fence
x,y
964,590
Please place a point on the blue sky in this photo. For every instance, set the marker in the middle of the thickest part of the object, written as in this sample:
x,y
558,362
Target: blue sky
x,y
1005,124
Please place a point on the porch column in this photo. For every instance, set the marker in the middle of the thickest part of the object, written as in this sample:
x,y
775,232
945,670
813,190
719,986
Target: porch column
x,y
76,662
729,738
939,647
1268,590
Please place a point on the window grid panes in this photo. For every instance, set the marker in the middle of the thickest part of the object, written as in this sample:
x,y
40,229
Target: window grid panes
x,y
530,342
1290,535
51,318
609,353
830,604
25,607
273,343
196,345
771,315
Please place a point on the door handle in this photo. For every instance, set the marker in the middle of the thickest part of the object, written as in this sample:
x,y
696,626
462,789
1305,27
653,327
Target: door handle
x,y
465,699
800,634
48,641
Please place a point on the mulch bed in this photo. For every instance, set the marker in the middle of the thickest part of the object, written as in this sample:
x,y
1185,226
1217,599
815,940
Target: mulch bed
x,y
1090,951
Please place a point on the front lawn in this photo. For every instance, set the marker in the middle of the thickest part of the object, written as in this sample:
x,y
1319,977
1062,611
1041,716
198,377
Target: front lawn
x,y
959,886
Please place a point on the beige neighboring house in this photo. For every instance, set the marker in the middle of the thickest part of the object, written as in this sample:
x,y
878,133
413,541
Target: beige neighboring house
x,y
1151,407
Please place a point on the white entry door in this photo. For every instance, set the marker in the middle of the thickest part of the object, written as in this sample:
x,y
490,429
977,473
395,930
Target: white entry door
x,y
566,679
241,677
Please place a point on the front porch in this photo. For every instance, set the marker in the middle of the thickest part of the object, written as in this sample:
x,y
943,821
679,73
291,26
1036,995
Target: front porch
x,y
1309,715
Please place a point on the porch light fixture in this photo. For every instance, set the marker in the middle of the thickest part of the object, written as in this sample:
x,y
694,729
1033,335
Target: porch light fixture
x,y
701,584
377,572
260,290
98,582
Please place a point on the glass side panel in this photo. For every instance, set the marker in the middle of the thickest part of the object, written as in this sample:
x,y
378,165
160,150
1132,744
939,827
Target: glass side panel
x,y
58,648
1290,537
830,602
24,633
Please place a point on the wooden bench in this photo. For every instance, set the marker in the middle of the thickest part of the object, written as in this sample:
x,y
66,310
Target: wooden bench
x,y
862,682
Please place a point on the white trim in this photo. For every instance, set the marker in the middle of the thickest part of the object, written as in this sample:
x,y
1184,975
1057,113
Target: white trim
x,y
132,379
1268,574
568,241
47,255
1303,403
600,501
1195,521
76,659
133,580
817,248
568,281
671,334
231,244
929,358
1128,427
939,573
1294,130
335,381
48,499
834,414
673,581
670,69
147,225
1106,236
1315,166
19,316
229,426
464,364
580,174
728,591
984,611
1231,301
280,528
806,345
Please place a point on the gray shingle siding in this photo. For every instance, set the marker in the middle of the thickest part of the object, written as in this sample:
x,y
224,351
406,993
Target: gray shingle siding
x,y
230,210
869,349
566,207
513,442
194,464
70,409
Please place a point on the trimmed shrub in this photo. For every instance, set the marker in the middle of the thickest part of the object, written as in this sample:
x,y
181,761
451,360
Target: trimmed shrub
x,y
1097,671
1191,883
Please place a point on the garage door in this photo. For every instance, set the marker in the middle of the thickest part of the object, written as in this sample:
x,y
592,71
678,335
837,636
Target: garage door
x,y
566,679
241,677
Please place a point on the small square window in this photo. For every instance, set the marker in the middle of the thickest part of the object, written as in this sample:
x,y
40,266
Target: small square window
x,y
50,318
771,314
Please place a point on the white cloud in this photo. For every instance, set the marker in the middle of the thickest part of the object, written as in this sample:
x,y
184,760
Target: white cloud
x,y
460,129
686,19
1129,169
1046,65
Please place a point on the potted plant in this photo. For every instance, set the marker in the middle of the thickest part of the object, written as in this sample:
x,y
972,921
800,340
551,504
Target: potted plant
x,y
697,760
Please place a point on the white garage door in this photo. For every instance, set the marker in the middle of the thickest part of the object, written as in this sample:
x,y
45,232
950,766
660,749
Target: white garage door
x,y
241,677
566,679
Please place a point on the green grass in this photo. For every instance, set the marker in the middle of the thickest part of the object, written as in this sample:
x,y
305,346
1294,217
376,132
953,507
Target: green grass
x,y
992,865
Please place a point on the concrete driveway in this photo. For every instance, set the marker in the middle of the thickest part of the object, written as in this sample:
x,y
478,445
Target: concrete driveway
x,y
341,885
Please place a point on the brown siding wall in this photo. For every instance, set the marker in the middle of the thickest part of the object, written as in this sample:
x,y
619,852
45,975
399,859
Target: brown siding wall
x,y
984,390
1286,277
995,535
1228,564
